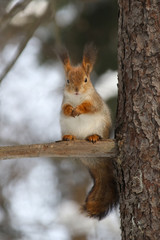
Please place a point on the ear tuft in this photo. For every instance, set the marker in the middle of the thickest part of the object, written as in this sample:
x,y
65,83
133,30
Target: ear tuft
x,y
64,57
89,57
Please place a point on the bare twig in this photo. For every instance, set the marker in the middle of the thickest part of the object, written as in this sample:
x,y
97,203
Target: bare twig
x,y
7,17
78,148
29,34
20,50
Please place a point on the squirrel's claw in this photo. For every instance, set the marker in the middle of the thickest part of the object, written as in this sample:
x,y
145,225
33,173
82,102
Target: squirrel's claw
x,y
93,138
75,113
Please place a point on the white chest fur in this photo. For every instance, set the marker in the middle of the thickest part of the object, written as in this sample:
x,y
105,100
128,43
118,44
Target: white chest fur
x,y
83,125
73,99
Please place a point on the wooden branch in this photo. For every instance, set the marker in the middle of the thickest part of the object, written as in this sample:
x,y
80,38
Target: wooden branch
x,y
79,148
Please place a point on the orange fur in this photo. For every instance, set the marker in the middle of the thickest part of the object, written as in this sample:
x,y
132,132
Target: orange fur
x,y
94,123
93,138
76,77
103,195
68,138
89,58
107,131
85,107
67,109
64,56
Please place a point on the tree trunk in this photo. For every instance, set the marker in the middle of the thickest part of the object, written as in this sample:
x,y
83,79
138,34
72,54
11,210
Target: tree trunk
x,y
138,122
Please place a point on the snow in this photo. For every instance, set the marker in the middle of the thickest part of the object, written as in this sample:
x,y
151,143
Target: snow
x,y
30,97
30,100
107,84
34,8
66,15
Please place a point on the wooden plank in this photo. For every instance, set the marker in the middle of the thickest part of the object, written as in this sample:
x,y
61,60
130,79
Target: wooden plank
x,y
79,148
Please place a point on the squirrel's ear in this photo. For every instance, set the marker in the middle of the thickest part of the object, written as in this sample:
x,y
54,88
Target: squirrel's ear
x,y
89,57
64,56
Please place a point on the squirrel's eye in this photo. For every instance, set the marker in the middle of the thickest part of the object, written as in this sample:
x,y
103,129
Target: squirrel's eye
x,y
67,81
85,79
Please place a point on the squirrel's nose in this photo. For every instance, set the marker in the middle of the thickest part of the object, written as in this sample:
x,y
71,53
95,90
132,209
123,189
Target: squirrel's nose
x,y
76,91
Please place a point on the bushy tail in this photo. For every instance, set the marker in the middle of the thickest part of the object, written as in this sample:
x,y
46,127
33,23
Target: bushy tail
x,y
103,195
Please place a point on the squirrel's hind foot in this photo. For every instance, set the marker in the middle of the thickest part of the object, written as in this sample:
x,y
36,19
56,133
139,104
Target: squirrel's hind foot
x,y
68,138
93,138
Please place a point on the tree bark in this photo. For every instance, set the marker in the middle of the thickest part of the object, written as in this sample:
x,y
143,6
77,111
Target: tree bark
x,y
138,122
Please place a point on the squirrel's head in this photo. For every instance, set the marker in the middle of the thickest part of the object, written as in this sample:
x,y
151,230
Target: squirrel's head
x,y
78,77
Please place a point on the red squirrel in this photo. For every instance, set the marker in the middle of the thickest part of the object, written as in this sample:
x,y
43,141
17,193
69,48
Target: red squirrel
x,y
84,115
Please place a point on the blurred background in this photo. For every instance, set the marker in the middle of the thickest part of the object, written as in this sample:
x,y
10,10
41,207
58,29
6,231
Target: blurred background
x,y
40,197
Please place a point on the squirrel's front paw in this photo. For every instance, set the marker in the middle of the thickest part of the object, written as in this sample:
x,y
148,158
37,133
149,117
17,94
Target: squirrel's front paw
x,y
75,112
67,109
